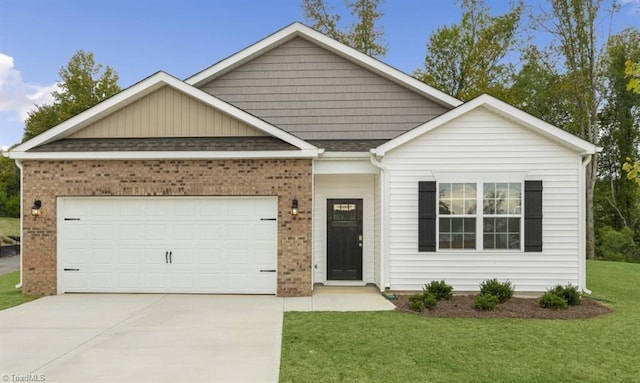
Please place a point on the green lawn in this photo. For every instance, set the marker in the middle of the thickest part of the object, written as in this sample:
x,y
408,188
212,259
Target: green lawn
x,y
9,295
397,347
9,227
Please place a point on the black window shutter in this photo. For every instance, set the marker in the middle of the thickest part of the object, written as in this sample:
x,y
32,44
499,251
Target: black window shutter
x,y
533,216
427,216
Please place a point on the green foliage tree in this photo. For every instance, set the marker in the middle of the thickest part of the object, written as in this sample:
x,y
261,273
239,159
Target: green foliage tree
x,y
9,188
633,70
362,35
83,84
620,132
573,25
468,59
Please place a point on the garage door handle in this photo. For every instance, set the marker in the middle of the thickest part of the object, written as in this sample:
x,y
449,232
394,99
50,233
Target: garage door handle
x,y
166,257
71,269
170,254
267,270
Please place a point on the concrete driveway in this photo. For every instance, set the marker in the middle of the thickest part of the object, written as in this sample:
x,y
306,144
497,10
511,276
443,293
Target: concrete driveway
x,y
142,338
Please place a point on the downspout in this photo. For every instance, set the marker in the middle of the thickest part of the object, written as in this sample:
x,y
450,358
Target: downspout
x,y
586,160
383,225
19,165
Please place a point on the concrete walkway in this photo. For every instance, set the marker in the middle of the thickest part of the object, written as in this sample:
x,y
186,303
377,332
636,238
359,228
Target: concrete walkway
x,y
158,338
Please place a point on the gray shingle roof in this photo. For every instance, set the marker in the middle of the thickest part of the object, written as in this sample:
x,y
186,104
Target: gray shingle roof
x,y
165,144
347,145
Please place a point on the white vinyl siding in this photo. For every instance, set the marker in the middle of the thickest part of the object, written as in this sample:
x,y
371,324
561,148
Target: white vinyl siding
x,y
489,148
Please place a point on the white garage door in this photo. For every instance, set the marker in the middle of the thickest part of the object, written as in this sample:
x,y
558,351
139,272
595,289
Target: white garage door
x,y
174,245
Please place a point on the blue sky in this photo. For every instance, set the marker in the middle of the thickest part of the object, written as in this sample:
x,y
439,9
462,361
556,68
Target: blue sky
x,y
138,38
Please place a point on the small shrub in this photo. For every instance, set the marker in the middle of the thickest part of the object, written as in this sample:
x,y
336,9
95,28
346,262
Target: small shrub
x,y
502,290
440,290
485,302
416,303
424,300
429,300
553,301
569,292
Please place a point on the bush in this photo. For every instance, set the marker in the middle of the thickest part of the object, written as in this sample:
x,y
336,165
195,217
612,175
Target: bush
x,y
618,245
424,300
502,290
569,293
439,289
416,303
553,301
485,302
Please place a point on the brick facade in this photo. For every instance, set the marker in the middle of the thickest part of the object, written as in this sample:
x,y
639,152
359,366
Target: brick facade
x,y
286,179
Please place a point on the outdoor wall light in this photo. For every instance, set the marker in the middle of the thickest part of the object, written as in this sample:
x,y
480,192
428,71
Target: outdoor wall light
x,y
35,209
294,207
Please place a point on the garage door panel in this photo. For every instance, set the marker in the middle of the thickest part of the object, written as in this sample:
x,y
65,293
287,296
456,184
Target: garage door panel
x,y
218,244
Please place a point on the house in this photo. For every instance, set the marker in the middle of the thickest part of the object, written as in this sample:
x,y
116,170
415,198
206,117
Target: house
x,y
294,162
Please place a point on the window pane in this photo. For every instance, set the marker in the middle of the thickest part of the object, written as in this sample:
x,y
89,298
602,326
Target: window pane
x,y
445,241
445,191
469,225
501,241
470,241
514,241
456,241
514,206
488,224
514,225
456,225
501,225
470,206
514,191
489,242
488,206
445,225
445,206
457,206
489,190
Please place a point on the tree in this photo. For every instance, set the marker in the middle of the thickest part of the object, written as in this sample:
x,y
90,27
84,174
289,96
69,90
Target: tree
x,y
468,59
620,129
573,24
9,188
632,70
361,35
82,86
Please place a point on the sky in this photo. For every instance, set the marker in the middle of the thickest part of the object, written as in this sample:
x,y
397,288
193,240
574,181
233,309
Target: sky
x,y
140,37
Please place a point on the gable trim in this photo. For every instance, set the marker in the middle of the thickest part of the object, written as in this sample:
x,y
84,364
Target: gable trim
x,y
136,92
166,155
298,29
512,113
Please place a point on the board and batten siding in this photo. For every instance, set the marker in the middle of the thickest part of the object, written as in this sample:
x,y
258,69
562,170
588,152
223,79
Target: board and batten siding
x,y
167,112
485,145
315,94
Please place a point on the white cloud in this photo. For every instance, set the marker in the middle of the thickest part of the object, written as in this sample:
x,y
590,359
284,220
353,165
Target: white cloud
x,y
18,97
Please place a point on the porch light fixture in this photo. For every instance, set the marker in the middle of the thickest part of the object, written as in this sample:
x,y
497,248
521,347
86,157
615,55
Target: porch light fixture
x,y
294,207
35,209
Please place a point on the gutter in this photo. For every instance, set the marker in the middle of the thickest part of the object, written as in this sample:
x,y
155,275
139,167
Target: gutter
x,y
586,160
383,207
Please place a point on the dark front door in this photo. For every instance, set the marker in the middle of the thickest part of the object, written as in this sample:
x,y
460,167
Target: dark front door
x,y
344,239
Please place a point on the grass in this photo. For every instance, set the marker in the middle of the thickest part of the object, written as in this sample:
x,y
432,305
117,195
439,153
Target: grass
x,y
9,295
9,227
397,347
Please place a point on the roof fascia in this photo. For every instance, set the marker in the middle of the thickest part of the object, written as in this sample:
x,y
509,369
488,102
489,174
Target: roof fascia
x,y
298,29
500,107
166,155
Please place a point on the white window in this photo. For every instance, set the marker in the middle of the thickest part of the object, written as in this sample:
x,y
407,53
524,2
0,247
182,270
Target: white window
x,y
457,207
500,215
501,209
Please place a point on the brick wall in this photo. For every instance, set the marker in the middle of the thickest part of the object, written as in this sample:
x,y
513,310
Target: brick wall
x,y
46,180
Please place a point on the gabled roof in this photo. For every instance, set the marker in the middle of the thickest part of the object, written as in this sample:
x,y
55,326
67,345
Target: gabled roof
x,y
300,30
538,126
136,92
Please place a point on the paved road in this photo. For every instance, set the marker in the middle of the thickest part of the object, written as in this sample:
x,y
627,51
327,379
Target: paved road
x,y
9,264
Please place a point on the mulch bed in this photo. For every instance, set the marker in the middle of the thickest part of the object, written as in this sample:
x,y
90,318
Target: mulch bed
x,y
461,306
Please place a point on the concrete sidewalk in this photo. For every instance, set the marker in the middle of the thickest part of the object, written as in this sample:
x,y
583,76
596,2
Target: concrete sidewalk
x,y
332,298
